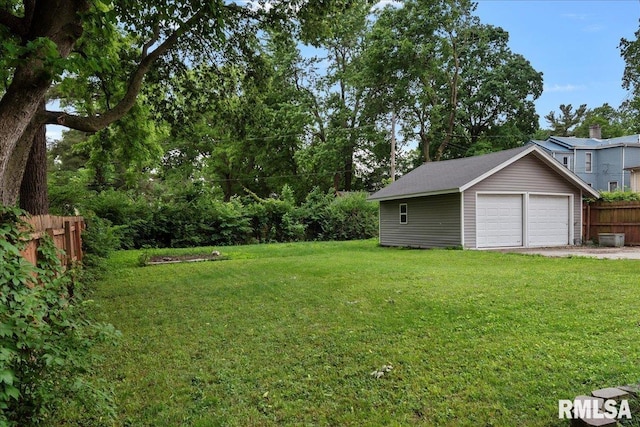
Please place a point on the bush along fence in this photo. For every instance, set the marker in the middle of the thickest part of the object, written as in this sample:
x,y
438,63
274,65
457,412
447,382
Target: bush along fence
x,y
47,366
612,217
65,231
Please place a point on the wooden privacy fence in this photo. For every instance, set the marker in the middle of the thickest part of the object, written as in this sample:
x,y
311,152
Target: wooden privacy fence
x,y
612,217
65,232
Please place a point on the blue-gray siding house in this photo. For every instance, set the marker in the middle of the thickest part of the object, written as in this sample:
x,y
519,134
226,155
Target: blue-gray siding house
x,y
605,164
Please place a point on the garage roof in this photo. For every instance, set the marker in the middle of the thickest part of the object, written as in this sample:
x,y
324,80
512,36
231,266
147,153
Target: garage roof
x,y
455,176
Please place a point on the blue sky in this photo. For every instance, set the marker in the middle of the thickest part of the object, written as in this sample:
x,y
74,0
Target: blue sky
x,y
574,43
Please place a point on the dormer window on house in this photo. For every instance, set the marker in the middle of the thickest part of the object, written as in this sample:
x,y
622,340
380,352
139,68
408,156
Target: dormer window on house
x,y
588,162
565,162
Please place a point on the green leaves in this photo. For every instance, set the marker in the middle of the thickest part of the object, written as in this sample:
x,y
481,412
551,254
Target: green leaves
x,y
45,336
452,80
103,6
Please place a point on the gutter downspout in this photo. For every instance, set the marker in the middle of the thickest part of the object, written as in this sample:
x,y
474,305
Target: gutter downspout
x,y
622,169
462,219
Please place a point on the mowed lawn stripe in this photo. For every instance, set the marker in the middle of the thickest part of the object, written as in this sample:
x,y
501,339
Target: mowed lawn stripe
x,y
289,335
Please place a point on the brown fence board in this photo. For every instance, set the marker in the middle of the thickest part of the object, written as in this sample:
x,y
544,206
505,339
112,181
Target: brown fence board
x,y
612,217
66,232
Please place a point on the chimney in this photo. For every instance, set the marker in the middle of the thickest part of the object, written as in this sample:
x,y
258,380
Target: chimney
x,y
595,132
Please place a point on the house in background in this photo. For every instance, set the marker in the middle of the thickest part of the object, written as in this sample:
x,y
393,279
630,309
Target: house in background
x,y
605,164
514,198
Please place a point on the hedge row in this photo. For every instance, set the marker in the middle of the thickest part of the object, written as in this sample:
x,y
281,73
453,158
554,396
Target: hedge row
x,y
195,216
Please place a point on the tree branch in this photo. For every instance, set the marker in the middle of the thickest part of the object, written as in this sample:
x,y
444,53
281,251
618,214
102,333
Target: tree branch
x,y
95,123
153,40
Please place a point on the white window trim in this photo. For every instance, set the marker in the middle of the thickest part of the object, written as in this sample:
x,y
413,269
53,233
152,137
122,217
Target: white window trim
x,y
617,184
590,162
405,214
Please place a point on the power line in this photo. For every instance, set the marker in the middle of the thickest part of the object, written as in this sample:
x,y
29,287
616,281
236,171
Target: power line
x,y
264,178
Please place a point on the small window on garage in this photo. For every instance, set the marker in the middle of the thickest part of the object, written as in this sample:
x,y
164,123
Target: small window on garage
x,y
565,161
403,213
613,185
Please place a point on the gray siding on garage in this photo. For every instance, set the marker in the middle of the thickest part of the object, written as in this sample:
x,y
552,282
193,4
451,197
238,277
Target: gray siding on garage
x,y
433,222
528,174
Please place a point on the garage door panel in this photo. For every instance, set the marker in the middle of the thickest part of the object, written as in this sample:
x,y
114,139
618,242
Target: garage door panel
x,y
499,220
548,220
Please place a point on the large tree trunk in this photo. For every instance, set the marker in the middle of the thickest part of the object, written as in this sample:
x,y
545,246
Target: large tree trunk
x,y
60,22
34,196
348,173
16,114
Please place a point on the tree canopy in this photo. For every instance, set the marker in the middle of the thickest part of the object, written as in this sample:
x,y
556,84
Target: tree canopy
x,y
254,95
453,79
110,47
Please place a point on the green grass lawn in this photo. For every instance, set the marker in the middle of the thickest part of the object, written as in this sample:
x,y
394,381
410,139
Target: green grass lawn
x,y
289,334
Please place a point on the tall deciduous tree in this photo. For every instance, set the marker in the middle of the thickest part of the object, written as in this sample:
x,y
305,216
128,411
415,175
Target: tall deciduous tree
x,y
343,127
38,38
454,79
630,109
497,90
630,52
34,196
246,121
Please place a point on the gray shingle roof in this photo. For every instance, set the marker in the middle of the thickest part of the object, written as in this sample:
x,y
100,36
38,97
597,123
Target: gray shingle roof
x,y
454,176
573,142
447,176
552,146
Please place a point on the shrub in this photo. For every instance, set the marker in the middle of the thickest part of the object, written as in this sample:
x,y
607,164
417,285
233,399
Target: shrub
x,y
195,218
314,214
203,222
619,196
99,239
68,192
194,215
45,337
351,217
275,219
127,213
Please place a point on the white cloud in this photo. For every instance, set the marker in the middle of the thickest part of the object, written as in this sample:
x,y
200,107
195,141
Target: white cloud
x,y
564,88
576,16
594,28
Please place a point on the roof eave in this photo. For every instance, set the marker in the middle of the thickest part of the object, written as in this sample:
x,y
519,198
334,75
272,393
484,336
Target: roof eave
x,y
575,179
546,157
413,195
532,147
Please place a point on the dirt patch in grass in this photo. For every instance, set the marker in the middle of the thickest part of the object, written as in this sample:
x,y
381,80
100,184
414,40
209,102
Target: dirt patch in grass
x,y
174,259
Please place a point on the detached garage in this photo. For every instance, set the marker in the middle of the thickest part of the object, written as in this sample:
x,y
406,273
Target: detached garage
x,y
514,198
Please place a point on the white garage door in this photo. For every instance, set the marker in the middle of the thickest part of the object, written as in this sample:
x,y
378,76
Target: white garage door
x,y
499,220
548,220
